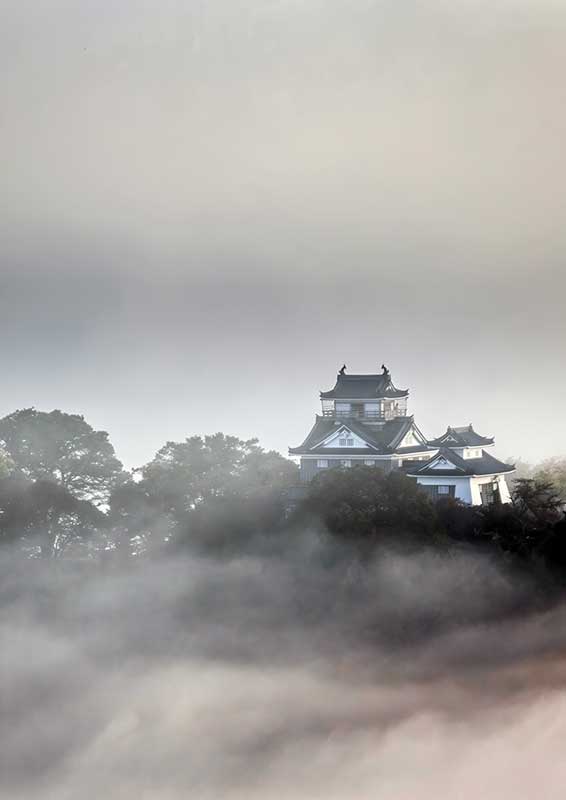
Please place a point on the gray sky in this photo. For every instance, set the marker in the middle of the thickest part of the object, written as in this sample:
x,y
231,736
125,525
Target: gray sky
x,y
206,207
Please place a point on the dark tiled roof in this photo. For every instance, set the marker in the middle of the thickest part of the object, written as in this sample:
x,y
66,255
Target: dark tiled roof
x,y
486,465
382,440
461,437
363,387
324,426
421,448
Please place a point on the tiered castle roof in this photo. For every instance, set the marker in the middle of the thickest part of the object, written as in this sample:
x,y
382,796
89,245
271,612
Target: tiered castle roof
x,y
448,463
380,441
461,437
363,387
365,417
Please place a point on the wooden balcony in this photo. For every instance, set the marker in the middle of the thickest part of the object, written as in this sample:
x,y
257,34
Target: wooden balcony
x,y
370,416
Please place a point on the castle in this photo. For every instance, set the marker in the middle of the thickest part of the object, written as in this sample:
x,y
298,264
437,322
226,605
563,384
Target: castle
x,y
365,420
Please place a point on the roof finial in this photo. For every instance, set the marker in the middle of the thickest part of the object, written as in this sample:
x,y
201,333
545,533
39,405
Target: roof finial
x,y
385,370
343,370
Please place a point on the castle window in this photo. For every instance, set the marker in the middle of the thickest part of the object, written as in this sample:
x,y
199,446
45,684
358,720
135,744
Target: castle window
x,y
322,463
435,492
488,493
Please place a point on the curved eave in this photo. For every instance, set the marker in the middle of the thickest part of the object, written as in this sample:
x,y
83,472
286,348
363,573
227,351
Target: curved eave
x,y
416,449
460,445
443,473
346,452
386,395
461,437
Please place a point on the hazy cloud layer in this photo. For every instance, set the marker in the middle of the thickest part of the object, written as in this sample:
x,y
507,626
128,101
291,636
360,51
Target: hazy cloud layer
x,y
292,675
245,194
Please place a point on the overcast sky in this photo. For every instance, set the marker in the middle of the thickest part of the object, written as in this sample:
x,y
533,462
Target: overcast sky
x,y
206,207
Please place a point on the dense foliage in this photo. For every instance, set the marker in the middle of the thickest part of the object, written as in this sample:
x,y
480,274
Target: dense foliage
x,y
367,503
63,492
62,448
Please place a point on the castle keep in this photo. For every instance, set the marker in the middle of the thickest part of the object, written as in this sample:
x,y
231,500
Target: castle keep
x,y
364,420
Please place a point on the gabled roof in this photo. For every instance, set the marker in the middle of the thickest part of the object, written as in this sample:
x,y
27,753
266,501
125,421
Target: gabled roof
x,y
458,466
382,441
402,431
324,427
461,437
347,430
363,387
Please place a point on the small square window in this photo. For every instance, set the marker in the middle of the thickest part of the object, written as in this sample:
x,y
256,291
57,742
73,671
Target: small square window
x,y
443,490
345,442
369,462
322,463
345,462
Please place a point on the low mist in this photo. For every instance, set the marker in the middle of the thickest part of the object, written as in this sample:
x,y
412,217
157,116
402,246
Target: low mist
x,y
295,672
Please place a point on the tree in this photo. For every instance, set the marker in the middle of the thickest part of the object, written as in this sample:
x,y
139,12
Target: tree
x,y
527,525
135,519
366,503
523,469
62,448
202,474
184,474
459,521
537,502
553,471
45,517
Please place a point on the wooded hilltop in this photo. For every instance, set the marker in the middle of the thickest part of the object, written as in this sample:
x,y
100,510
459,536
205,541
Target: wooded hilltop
x,y
65,494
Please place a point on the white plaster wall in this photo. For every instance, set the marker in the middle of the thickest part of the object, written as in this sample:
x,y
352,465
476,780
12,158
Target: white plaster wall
x,y
501,483
469,452
475,484
503,489
409,440
468,489
462,491
346,434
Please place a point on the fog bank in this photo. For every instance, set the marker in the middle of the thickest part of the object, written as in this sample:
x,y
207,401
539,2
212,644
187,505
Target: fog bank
x,y
298,674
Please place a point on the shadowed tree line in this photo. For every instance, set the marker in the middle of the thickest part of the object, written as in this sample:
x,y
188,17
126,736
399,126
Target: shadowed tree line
x,y
365,505
63,492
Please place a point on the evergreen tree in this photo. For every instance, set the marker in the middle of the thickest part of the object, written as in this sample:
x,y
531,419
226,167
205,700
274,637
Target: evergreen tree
x,y
62,448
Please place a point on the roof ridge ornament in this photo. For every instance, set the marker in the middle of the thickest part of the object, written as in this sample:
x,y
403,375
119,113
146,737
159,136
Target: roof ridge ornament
x,y
342,371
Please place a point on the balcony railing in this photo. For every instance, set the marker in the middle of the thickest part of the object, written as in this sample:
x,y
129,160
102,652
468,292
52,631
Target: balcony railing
x,y
385,414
